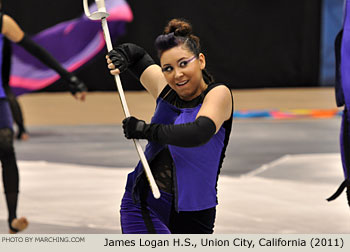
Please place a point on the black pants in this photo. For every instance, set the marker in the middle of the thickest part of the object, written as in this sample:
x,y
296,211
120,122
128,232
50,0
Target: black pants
x,y
8,161
194,222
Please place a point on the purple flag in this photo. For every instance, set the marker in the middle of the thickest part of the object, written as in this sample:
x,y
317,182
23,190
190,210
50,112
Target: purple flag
x,y
72,43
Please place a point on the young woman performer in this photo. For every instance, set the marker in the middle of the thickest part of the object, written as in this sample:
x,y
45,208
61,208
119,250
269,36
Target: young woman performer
x,y
187,136
10,29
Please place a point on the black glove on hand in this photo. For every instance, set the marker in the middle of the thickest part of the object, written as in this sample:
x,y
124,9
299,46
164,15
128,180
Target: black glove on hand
x,y
132,57
136,129
75,85
119,59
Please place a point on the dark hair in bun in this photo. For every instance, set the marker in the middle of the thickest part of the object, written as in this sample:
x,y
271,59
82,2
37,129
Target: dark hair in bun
x,y
179,32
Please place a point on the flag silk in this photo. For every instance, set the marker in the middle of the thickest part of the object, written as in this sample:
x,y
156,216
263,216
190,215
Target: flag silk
x,y
72,43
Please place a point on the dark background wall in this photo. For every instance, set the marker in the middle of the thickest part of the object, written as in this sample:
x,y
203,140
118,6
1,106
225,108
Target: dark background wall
x,y
248,43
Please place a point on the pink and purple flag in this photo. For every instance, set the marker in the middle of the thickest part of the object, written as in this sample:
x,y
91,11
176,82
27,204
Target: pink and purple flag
x,y
72,43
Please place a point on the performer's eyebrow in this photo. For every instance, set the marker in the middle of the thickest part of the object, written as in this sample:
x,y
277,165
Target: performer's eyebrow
x,y
181,59
188,60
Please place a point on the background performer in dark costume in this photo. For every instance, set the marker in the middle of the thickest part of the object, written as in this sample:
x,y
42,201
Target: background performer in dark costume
x,y
16,110
11,30
342,88
187,136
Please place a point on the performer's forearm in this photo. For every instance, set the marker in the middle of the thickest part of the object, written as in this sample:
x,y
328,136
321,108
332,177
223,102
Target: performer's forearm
x,y
190,134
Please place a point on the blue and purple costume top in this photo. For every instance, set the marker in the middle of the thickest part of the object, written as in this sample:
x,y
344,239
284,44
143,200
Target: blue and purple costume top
x,y
195,169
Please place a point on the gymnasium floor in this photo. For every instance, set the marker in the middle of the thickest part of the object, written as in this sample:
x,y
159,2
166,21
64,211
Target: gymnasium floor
x,y
275,179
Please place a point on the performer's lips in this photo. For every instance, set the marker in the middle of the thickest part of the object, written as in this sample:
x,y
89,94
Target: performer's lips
x,y
182,83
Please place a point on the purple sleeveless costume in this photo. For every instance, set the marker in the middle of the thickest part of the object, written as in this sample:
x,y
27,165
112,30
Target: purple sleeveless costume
x,y
195,174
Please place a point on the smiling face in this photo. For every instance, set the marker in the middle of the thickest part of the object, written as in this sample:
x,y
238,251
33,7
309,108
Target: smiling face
x,y
183,71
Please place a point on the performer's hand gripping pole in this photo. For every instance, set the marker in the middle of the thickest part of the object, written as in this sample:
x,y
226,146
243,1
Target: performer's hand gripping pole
x,y
102,14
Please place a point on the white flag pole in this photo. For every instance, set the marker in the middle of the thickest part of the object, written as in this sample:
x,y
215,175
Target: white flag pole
x,y
102,15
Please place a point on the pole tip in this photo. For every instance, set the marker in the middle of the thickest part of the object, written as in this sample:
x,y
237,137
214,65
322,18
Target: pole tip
x,y
156,194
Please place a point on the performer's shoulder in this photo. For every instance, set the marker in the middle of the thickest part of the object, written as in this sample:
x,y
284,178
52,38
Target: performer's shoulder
x,y
217,86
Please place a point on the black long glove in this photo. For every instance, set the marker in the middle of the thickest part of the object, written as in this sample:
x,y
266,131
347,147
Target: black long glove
x,y
74,84
132,57
189,134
